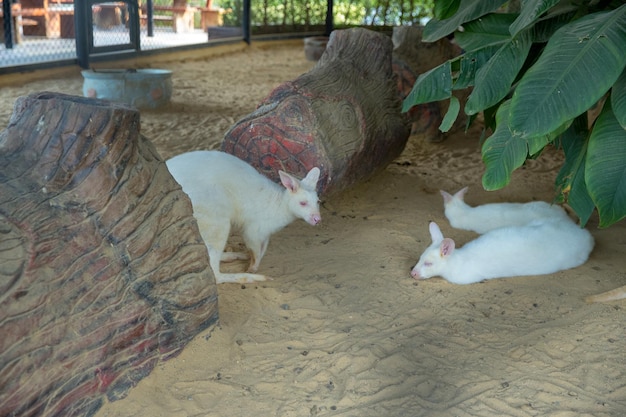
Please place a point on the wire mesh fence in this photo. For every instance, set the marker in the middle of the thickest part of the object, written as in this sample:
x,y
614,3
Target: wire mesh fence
x,y
44,31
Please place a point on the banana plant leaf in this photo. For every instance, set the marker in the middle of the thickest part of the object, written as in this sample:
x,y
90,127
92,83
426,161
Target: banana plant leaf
x,y
451,114
605,167
467,10
433,85
492,29
530,12
570,182
618,99
568,79
444,9
502,152
493,80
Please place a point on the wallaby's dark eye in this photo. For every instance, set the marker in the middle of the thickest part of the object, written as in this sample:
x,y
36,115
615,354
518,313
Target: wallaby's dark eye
x,y
428,264
303,203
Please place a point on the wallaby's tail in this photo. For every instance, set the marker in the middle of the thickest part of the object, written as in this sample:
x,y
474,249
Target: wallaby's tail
x,y
616,294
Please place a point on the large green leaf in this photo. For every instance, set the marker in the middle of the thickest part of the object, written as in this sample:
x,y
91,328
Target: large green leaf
x,y
544,27
502,152
437,84
492,29
530,12
537,143
433,85
468,10
618,99
605,170
579,64
470,62
493,80
451,114
444,9
570,182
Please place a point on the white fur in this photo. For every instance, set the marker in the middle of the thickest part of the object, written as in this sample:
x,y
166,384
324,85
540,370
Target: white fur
x,y
486,217
227,192
543,246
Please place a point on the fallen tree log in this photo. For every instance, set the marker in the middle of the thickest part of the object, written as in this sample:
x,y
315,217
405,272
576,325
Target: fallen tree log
x,y
343,116
103,272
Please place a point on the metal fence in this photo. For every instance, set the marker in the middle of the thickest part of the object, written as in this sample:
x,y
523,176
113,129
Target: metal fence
x,y
43,33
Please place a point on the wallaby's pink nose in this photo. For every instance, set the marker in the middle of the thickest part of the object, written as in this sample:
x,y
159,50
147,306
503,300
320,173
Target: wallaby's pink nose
x,y
315,219
415,274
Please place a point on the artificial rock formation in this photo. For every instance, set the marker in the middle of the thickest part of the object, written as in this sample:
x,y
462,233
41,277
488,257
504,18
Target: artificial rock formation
x,y
102,269
343,116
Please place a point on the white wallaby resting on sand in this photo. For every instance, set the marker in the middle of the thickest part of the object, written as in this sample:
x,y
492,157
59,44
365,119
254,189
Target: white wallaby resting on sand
x,y
486,217
542,246
226,191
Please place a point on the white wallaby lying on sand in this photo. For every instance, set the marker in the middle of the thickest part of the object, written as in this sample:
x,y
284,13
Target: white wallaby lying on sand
x,y
226,191
542,246
486,217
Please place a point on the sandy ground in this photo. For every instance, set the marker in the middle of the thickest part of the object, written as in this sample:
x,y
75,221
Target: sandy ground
x,y
343,330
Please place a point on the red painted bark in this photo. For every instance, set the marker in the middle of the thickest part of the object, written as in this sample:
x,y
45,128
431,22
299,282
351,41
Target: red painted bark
x,y
102,270
343,116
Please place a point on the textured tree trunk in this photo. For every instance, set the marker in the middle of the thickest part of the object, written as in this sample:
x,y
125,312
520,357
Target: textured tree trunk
x,y
102,270
343,116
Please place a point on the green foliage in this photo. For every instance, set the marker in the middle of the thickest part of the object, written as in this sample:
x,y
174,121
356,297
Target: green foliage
x,y
535,74
345,12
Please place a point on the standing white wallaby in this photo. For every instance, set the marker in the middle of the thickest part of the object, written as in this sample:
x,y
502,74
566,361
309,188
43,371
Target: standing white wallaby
x,y
486,217
543,246
227,192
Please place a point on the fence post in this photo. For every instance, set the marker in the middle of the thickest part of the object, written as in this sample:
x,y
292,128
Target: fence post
x,y
150,18
80,32
329,17
246,21
8,24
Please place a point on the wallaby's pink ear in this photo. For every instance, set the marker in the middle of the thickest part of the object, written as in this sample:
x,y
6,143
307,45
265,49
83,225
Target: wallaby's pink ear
x,y
461,193
290,182
446,196
435,232
310,181
447,247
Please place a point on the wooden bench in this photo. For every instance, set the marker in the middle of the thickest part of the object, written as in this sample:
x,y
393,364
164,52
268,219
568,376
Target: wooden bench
x,y
39,18
180,14
211,17
19,21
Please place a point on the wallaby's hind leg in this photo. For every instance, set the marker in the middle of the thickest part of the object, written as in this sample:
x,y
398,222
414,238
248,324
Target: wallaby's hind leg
x,y
215,239
257,250
215,232
220,277
216,242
